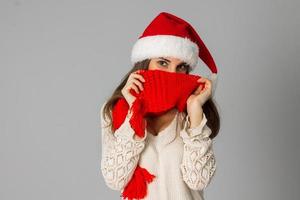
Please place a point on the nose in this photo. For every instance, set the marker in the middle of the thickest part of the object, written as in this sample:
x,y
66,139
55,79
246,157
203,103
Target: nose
x,y
172,68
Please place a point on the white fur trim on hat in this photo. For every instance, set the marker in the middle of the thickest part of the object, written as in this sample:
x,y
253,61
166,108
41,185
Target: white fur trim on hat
x,y
163,46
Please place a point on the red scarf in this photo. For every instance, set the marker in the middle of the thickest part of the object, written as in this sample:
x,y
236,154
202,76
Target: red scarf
x,y
162,92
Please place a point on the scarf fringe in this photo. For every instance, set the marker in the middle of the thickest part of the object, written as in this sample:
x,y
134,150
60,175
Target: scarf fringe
x,y
137,186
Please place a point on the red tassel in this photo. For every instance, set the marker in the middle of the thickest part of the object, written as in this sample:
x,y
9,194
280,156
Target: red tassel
x,y
137,186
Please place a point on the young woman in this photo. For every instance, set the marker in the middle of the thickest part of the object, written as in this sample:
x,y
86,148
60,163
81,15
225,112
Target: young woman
x,y
175,157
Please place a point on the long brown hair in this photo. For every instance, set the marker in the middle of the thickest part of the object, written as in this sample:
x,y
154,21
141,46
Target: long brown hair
x,y
209,108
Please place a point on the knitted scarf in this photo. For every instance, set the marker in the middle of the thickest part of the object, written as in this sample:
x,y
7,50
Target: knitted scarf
x,y
162,92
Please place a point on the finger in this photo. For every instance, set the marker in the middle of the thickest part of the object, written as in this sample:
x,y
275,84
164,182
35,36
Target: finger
x,y
205,82
197,91
140,77
138,71
201,84
137,82
134,87
202,79
133,73
136,75
208,83
200,88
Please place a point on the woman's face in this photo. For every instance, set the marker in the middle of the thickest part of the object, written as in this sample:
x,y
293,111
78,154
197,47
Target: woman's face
x,y
169,64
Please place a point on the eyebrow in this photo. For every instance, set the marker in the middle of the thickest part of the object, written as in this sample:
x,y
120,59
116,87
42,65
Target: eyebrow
x,y
170,61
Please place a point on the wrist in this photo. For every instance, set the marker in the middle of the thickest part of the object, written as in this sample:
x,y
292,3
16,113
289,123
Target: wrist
x,y
196,118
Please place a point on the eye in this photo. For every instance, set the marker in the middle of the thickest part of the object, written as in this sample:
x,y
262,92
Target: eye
x,y
184,67
162,63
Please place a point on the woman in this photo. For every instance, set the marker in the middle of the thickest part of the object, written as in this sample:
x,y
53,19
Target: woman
x,y
175,157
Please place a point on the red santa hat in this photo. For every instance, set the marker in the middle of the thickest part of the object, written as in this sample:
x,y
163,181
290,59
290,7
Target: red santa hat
x,y
169,35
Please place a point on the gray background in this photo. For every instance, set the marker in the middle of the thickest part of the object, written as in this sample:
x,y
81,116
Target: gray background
x,y
59,60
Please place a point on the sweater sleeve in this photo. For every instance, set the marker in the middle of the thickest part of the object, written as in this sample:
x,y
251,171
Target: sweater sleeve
x,y
120,153
198,164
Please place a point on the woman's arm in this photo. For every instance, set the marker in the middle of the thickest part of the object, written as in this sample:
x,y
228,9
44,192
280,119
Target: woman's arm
x,y
198,164
120,153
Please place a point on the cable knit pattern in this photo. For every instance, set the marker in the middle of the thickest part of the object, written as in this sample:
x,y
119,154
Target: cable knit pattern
x,y
199,164
120,153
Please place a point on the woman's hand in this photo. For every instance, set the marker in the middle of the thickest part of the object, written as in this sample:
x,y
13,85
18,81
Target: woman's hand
x,y
133,82
197,100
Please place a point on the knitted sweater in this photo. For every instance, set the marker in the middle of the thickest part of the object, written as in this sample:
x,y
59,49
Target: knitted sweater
x,y
181,158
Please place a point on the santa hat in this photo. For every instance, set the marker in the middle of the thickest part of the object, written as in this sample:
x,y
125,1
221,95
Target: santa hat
x,y
169,35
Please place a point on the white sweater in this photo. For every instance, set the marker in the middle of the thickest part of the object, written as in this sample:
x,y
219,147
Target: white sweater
x,y
180,157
